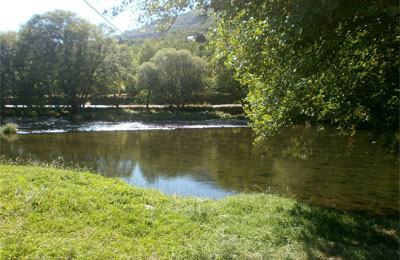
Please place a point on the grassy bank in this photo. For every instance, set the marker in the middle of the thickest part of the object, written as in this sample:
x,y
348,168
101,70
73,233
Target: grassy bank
x,y
48,213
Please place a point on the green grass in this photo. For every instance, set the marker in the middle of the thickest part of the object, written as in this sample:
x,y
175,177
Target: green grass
x,y
9,128
50,213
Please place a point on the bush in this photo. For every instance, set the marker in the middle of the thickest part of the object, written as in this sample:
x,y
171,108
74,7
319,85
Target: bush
x,y
9,128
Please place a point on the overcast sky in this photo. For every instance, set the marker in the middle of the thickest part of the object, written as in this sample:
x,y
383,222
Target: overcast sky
x,y
13,13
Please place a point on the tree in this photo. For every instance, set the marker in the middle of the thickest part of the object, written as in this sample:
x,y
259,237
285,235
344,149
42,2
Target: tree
x,y
181,75
148,80
65,54
174,76
115,73
334,62
37,53
8,67
147,51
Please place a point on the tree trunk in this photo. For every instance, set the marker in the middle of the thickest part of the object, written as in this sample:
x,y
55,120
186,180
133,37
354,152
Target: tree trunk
x,y
116,100
147,101
73,102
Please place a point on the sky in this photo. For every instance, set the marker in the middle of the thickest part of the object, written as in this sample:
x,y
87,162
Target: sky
x,y
14,13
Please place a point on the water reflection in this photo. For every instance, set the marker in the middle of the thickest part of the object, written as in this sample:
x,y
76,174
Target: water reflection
x,y
318,167
182,184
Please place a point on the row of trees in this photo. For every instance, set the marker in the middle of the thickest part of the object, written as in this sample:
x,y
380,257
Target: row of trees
x,y
60,59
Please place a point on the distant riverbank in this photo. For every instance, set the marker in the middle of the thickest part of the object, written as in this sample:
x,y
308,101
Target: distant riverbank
x,y
54,213
113,119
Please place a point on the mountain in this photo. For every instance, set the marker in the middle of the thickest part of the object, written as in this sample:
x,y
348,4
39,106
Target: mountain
x,y
189,23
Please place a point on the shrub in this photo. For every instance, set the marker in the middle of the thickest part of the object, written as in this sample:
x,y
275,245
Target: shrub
x,y
9,128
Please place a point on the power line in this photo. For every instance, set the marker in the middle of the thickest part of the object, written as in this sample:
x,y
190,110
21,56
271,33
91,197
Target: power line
x,y
108,21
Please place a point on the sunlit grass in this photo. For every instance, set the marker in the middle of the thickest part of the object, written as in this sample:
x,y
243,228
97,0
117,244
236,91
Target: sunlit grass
x,y
52,213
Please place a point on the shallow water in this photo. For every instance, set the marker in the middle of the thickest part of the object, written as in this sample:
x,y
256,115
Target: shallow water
x,y
318,167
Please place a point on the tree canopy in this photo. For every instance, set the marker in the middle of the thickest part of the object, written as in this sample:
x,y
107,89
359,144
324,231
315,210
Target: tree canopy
x,y
175,75
332,61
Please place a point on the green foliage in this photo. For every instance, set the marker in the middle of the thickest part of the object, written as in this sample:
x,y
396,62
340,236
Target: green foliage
x,y
116,72
52,213
59,58
147,51
226,84
9,128
8,65
174,75
335,64
148,80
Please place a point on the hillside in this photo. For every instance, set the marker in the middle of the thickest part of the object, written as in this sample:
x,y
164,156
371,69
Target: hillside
x,y
187,23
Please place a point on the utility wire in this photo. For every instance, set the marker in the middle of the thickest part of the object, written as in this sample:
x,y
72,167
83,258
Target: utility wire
x,y
108,21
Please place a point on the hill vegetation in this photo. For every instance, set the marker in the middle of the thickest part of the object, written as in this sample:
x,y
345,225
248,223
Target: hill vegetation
x,y
188,24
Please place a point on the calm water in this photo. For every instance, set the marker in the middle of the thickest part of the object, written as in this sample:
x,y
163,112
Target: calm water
x,y
317,167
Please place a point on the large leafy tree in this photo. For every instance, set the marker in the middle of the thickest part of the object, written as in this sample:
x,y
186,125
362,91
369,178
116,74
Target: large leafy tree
x,y
65,55
115,73
8,67
329,61
148,80
332,61
37,53
175,76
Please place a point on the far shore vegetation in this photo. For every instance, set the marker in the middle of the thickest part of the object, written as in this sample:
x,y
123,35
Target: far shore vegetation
x,y
207,114
52,213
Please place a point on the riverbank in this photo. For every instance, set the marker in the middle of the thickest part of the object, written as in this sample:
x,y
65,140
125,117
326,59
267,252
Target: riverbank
x,y
47,212
49,120
137,112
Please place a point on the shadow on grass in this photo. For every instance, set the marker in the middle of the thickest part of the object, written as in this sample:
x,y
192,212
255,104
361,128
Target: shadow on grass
x,y
343,236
